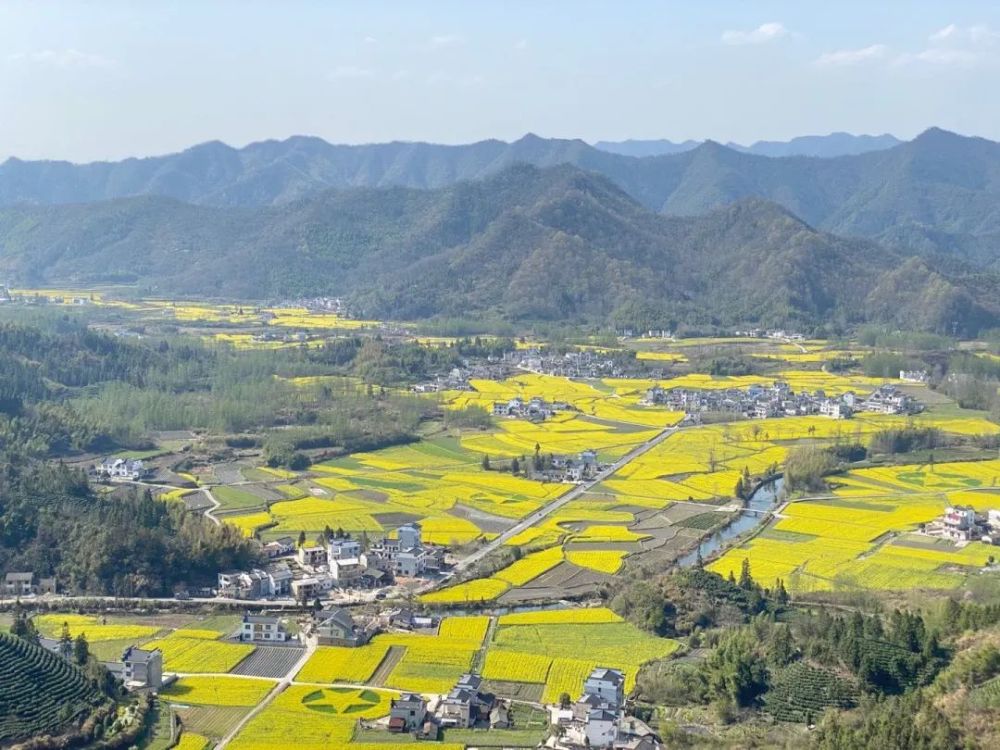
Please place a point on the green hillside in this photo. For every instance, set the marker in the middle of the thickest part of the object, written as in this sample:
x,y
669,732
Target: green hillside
x,y
526,243
937,193
40,693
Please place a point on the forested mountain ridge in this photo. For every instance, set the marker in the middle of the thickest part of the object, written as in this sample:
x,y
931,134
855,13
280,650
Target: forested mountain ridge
x,y
530,243
939,193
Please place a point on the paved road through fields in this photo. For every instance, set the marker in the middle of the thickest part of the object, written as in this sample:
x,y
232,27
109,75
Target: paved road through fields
x,y
560,501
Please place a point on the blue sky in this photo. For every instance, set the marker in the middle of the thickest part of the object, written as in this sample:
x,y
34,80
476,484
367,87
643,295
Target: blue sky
x,y
100,80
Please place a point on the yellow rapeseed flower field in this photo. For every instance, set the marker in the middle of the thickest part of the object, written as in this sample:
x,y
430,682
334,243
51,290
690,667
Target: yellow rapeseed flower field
x,y
190,741
480,589
218,691
310,718
579,616
197,655
343,664
50,625
603,561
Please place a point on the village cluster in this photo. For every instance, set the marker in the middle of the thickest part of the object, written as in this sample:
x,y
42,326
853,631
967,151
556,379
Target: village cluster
x,y
598,719
309,572
779,400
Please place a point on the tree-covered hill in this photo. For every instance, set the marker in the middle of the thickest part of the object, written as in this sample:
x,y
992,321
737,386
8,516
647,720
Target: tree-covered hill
x,y
40,693
555,243
936,193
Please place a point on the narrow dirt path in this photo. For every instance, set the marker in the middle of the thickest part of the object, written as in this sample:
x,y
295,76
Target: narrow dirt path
x,y
392,658
288,679
480,658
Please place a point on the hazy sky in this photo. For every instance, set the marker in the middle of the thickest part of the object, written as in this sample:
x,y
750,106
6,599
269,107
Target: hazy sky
x,y
97,80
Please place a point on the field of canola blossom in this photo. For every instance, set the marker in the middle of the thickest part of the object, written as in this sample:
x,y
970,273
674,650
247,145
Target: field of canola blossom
x,y
438,481
218,691
430,481
525,570
50,625
704,464
559,649
317,718
555,648
191,651
859,538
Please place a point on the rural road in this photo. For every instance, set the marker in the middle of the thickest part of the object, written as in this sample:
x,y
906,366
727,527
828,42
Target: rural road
x,y
560,501
312,643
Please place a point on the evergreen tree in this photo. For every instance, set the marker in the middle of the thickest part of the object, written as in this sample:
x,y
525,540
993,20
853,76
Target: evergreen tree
x,y
746,580
780,594
23,626
65,643
81,650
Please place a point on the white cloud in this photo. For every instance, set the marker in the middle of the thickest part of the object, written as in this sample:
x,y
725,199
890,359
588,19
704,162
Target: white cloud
x,y
521,44
440,41
63,58
766,32
845,57
948,32
348,72
983,34
955,34
940,56
956,46
370,40
401,75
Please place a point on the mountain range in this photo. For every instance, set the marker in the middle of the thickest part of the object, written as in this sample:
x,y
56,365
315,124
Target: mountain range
x,y
537,228
936,194
825,146
555,243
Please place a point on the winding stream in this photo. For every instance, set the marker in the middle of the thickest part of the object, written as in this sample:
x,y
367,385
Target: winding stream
x,y
762,501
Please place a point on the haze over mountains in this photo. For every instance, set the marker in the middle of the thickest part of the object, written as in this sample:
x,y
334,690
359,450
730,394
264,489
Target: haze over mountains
x,y
906,235
555,243
826,146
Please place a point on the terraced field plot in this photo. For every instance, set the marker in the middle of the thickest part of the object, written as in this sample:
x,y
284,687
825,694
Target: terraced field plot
x,y
701,464
39,691
523,571
269,661
431,481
